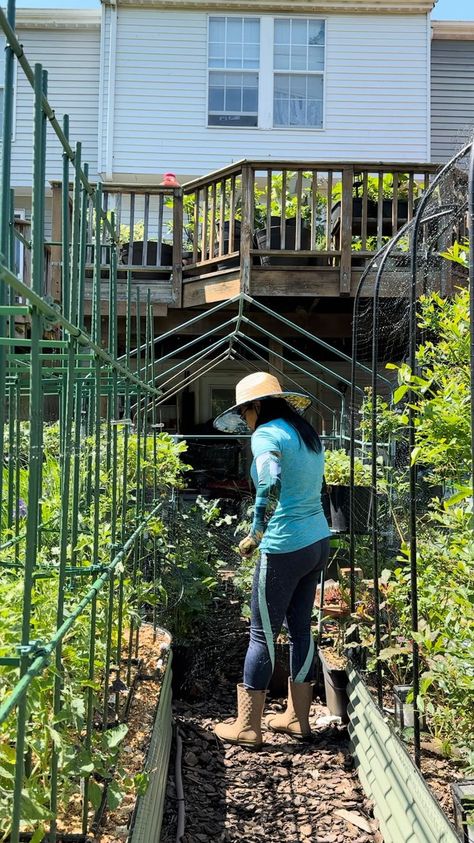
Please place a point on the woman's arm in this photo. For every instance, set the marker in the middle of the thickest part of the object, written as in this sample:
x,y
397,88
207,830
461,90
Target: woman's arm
x,y
268,468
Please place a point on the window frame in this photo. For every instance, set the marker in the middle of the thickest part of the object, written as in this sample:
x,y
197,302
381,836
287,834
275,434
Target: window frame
x,y
266,74
236,70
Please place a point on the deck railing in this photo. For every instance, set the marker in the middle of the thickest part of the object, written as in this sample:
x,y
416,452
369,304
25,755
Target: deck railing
x,y
298,214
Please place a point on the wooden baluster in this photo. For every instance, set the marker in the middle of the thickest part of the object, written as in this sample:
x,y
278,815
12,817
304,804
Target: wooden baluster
x,y
411,194
232,214
380,211
212,225
248,179
314,207
396,181
329,209
132,225
269,208
222,220
159,233
299,190
205,211
146,213
364,215
346,231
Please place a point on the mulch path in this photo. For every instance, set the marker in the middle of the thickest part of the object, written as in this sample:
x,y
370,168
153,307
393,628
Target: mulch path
x,y
287,793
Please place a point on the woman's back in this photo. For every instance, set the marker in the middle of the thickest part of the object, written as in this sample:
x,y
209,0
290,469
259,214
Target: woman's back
x,y
298,520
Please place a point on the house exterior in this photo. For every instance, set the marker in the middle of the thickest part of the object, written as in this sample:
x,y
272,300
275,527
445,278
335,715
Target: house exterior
x,y
351,90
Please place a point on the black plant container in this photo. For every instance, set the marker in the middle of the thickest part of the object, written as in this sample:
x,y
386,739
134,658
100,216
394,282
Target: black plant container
x,y
339,497
335,684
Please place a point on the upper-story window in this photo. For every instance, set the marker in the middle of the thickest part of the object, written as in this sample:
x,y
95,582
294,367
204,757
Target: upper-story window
x,y
234,61
298,72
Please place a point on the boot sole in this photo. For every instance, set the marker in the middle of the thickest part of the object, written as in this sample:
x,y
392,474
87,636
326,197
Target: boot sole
x,y
251,746
282,731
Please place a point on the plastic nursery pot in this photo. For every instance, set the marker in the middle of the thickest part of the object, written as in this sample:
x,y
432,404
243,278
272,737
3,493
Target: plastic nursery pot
x,y
335,685
463,802
404,711
339,499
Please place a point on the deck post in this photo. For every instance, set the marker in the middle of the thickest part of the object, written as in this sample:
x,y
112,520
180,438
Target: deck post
x,y
346,230
177,273
247,228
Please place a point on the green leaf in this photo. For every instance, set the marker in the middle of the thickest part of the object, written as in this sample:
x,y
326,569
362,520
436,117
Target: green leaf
x,y
399,393
95,794
38,835
31,810
114,795
114,737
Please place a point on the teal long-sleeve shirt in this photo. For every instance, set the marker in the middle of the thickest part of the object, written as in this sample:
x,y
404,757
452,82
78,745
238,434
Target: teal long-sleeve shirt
x,y
285,470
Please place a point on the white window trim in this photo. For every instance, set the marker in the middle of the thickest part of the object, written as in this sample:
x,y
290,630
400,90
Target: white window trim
x,y
266,74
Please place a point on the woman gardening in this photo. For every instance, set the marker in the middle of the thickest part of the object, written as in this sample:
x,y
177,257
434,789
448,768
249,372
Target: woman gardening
x,y
288,464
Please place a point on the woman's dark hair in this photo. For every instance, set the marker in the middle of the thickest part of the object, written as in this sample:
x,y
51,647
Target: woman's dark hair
x,y
278,408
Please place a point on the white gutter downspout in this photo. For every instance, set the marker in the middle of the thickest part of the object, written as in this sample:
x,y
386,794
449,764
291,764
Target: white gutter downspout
x,y
109,148
428,92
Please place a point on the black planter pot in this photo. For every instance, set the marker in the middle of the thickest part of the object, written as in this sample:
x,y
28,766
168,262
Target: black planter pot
x,y
166,257
335,685
340,511
290,242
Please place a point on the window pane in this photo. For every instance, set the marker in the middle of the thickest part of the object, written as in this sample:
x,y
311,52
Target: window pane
x,y
297,111
315,113
217,29
316,32
234,55
216,99
280,112
216,55
298,86
299,58
299,31
233,99
315,87
282,85
316,58
282,57
251,31
217,80
250,99
234,30
282,31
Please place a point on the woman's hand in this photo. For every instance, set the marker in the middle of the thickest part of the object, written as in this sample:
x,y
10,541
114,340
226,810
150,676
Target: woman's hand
x,y
248,545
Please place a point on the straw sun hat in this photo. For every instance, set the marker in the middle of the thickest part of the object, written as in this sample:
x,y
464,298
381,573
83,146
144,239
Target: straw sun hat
x,y
253,388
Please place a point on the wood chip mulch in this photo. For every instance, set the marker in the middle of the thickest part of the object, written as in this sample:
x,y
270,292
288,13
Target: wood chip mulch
x,y
286,793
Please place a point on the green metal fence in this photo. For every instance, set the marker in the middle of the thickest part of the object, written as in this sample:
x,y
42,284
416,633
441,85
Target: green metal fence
x,y
80,498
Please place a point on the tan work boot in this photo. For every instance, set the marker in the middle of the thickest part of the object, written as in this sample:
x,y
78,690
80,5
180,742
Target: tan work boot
x,y
247,729
294,721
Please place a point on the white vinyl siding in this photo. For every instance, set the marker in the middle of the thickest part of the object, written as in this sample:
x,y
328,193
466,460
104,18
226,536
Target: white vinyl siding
x,y
452,96
72,61
376,97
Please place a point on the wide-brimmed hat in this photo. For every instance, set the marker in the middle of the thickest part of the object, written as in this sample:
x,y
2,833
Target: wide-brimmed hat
x,y
254,387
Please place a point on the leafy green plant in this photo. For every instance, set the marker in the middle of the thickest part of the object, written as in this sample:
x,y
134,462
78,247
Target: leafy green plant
x,y
337,469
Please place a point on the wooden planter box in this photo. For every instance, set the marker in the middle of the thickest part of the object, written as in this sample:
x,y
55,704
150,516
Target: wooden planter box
x,y
403,804
148,815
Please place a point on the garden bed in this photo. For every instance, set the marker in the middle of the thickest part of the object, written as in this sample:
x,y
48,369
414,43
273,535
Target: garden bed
x,y
404,805
150,671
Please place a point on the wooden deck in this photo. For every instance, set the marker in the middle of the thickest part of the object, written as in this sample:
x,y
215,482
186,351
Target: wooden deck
x,y
267,228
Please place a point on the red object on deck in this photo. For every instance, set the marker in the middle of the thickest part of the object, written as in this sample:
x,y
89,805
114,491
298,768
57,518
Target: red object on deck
x,y
170,180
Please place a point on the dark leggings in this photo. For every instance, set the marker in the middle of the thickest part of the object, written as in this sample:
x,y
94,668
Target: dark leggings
x,y
284,586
